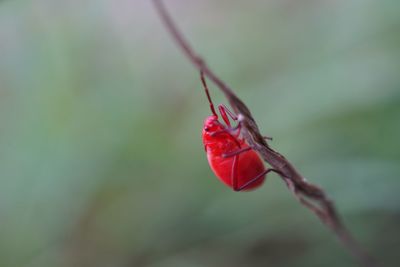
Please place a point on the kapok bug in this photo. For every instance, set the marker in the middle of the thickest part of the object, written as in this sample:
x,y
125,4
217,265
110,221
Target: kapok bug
x,y
231,159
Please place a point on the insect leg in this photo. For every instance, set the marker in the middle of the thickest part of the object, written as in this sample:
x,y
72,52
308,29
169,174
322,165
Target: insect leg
x,y
237,152
234,180
226,130
257,178
235,165
238,127
224,114
224,110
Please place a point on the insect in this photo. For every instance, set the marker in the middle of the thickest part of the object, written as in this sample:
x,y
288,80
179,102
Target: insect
x,y
231,159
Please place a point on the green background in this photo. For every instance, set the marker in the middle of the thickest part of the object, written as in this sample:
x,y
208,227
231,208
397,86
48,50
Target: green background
x,y
101,157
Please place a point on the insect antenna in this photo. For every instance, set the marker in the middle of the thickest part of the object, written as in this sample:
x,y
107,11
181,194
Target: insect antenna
x,y
203,80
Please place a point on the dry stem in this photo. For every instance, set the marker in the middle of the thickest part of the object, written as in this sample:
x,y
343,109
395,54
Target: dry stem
x,y
309,195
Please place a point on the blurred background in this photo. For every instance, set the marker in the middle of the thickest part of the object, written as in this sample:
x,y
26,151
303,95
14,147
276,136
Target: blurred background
x,y
100,120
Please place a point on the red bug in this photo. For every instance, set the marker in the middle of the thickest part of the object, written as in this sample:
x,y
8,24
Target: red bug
x,y
230,157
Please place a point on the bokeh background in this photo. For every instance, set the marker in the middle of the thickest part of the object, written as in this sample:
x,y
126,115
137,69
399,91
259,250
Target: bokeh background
x,y
100,118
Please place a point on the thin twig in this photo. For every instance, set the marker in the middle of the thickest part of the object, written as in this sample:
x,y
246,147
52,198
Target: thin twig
x,y
309,195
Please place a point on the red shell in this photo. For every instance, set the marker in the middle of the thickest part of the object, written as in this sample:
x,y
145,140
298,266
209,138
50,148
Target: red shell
x,y
249,163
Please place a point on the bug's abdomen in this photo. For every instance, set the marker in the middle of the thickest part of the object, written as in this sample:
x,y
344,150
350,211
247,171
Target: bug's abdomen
x,y
249,166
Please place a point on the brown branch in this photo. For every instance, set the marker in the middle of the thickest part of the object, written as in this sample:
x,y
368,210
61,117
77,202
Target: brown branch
x,y
309,195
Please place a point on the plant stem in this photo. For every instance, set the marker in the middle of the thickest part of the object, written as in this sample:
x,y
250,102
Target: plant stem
x,y
309,195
